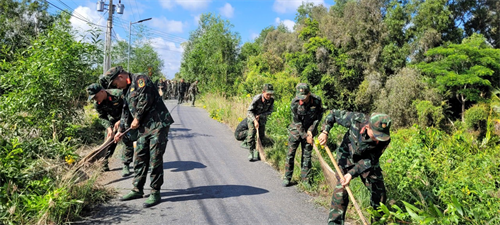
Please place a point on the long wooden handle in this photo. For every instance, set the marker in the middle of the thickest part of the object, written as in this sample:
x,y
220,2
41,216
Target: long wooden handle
x,y
341,175
260,148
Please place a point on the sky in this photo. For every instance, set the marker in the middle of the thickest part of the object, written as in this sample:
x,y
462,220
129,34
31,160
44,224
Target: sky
x,y
173,20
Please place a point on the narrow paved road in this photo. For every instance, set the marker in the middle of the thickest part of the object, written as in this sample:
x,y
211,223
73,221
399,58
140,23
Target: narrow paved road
x,y
208,180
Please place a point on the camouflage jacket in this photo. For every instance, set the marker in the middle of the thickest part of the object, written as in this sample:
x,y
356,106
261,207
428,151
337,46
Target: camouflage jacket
x,y
143,102
361,150
257,107
110,110
182,87
193,89
305,117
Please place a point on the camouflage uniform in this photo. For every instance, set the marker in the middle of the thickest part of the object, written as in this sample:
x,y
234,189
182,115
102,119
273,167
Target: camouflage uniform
x,y
110,111
305,117
262,108
241,130
182,89
142,103
358,155
193,89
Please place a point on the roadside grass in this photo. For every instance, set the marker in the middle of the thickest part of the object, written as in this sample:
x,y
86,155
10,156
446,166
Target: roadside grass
x,y
232,110
39,184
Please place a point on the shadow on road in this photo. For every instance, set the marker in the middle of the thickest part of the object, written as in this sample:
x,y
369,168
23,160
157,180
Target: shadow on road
x,y
121,179
208,192
173,129
187,135
110,214
179,166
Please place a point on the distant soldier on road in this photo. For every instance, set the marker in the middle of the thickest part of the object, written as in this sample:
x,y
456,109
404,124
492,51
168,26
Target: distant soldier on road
x,y
109,105
193,90
182,89
306,114
358,155
259,110
152,119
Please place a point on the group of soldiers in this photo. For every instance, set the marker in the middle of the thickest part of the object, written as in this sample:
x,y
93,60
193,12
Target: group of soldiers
x,y
132,110
182,91
358,154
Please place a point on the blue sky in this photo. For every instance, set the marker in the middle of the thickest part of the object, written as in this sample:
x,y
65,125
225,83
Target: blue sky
x,y
173,20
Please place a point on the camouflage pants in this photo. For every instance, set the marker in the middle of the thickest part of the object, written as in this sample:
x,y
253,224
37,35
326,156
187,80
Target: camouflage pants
x,y
373,180
293,143
151,146
241,131
252,132
193,98
181,98
128,152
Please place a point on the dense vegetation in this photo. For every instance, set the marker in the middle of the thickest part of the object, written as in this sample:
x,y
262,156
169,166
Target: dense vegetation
x,y
45,119
434,66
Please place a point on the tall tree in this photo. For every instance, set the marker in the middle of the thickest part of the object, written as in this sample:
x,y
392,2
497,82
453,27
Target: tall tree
x,y
463,71
211,54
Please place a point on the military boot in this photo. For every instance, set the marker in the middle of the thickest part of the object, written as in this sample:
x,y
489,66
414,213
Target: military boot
x,y
153,199
132,195
105,166
286,182
250,155
255,155
125,170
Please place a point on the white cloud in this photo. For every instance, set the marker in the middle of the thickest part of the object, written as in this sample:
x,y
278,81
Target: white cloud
x,y
88,14
287,6
253,36
167,4
191,5
169,26
197,19
171,54
227,10
288,23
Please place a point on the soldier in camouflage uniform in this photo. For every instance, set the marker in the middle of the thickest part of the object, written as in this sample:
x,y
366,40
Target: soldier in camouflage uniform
x,y
152,119
242,130
306,113
259,110
109,104
193,90
182,89
358,155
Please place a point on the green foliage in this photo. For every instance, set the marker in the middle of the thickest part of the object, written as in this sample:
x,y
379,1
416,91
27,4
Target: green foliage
x,y
439,171
211,54
463,69
43,87
428,114
476,117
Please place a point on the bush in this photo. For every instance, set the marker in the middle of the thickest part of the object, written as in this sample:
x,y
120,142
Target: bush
x,y
476,117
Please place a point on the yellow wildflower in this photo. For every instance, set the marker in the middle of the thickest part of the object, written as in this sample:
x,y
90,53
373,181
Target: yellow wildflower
x,y
69,159
204,106
240,119
248,95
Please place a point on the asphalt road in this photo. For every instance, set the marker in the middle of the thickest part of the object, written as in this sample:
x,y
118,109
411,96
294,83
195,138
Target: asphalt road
x,y
208,180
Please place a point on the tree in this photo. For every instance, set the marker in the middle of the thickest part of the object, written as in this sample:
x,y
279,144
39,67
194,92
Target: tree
x,y
463,71
211,54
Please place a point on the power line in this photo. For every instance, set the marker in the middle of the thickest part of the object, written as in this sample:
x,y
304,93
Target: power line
x,y
84,20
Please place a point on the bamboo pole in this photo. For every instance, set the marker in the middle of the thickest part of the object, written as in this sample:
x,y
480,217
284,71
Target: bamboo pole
x,y
341,175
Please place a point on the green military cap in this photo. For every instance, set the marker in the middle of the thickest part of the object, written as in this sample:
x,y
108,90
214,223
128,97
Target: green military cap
x,y
93,89
268,88
302,91
110,75
380,124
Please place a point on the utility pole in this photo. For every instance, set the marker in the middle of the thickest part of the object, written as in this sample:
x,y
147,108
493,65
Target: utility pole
x,y
107,47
